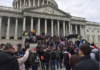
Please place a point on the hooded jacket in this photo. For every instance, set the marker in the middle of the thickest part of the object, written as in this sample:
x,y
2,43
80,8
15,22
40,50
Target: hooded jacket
x,y
8,61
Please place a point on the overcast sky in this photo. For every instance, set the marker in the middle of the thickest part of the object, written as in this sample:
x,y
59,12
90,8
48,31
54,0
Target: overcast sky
x,y
82,8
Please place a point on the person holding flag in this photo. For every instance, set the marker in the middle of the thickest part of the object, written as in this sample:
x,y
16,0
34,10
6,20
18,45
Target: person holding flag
x,y
81,43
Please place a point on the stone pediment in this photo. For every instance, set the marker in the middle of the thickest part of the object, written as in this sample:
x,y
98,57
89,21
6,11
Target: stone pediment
x,y
48,10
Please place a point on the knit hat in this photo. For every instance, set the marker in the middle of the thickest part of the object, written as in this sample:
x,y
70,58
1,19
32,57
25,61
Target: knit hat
x,y
71,46
34,49
77,50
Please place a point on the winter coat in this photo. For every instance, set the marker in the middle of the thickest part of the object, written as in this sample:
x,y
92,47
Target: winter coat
x,y
71,51
74,59
66,60
87,63
32,58
8,61
41,54
60,54
22,60
47,55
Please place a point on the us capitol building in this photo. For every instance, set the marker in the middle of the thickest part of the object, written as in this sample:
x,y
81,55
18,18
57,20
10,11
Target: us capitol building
x,y
43,16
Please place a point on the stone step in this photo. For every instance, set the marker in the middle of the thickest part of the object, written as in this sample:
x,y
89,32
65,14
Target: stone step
x,y
32,46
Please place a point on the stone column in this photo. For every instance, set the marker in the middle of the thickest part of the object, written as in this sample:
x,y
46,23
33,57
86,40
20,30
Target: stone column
x,y
32,23
17,4
33,3
38,26
45,26
43,2
8,28
80,30
29,3
85,32
69,29
90,35
47,2
64,28
58,26
38,2
96,36
20,4
24,3
76,28
0,25
16,27
51,27
24,23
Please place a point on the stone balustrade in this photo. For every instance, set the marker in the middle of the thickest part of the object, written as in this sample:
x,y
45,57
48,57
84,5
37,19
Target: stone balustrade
x,y
9,8
93,23
78,18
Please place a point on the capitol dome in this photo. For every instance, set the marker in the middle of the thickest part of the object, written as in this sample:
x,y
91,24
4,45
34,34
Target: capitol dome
x,y
21,4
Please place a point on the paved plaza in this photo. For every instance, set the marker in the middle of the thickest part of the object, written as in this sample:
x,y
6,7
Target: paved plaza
x,y
49,69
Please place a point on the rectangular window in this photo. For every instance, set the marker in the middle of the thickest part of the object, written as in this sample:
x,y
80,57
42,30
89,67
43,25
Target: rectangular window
x,y
88,37
99,38
93,37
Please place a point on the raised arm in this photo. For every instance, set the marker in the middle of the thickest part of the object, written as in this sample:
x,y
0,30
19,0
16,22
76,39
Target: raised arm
x,y
24,58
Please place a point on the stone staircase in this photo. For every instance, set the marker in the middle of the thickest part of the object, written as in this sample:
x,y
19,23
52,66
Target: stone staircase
x,y
32,46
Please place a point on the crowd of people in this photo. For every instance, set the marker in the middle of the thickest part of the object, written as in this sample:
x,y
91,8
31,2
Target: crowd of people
x,y
49,53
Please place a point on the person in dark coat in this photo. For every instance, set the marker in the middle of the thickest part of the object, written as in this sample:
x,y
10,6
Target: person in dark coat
x,y
61,49
66,61
86,62
71,50
75,58
42,61
47,58
7,59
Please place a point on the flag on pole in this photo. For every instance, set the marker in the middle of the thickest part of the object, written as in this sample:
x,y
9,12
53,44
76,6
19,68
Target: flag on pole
x,y
81,43
62,42
54,46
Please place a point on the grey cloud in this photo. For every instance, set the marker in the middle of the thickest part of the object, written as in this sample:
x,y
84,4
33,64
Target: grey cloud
x,y
88,9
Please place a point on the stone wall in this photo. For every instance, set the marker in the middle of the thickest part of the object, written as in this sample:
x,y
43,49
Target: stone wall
x,y
93,31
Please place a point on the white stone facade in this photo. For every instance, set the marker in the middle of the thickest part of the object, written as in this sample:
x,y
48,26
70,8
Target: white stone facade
x,y
42,16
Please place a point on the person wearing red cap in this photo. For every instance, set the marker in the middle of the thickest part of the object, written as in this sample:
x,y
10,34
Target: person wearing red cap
x,y
34,57
71,50
34,49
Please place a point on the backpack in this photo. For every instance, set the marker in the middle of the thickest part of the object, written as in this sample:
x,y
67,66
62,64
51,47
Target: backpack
x,y
37,59
47,55
97,56
57,55
42,58
53,55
